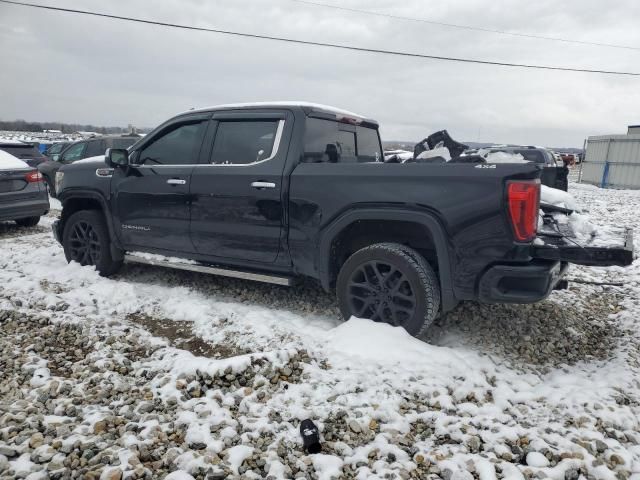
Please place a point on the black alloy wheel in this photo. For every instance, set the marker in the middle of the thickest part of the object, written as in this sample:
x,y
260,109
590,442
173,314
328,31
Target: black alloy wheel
x,y
84,244
381,292
390,283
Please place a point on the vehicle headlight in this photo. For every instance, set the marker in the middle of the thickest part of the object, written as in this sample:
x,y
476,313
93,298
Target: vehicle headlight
x,y
59,178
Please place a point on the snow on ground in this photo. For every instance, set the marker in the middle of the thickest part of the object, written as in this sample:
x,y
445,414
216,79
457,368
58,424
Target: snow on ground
x,y
156,371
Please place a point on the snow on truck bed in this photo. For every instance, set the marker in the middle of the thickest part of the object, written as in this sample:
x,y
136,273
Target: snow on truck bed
x,y
586,232
207,373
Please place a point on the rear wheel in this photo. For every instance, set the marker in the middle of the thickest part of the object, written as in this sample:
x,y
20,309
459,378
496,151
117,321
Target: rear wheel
x,y
28,222
390,283
86,240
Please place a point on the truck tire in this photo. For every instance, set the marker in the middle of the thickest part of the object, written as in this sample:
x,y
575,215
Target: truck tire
x,y
86,240
391,283
28,222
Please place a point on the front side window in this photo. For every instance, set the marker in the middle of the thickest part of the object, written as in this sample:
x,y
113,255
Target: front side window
x,y
179,145
57,148
240,142
74,152
331,142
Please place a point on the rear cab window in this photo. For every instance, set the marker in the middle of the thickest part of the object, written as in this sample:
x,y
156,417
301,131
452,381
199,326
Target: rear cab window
x,y
329,141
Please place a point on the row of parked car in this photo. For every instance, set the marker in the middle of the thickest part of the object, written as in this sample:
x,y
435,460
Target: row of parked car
x,y
27,176
63,153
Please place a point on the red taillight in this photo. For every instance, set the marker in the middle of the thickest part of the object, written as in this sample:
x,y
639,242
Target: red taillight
x,y
524,203
33,177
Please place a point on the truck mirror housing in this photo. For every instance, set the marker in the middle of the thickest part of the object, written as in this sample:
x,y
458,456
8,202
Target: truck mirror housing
x,y
117,157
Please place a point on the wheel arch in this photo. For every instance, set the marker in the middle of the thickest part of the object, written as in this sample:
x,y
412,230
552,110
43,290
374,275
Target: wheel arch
x,y
331,251
78,200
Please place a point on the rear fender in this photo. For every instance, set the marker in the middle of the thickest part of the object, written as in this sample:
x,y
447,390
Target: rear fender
x,y
427,220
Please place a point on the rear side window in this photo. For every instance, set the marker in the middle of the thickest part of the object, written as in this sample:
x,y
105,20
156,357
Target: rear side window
x,y
179,145
123,142
240,142
95,148
26,151
332,142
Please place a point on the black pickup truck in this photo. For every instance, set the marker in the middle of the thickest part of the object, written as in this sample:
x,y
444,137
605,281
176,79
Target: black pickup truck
x,y
275,192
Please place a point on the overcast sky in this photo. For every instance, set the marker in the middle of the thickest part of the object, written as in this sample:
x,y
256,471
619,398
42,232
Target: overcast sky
x,y
72,68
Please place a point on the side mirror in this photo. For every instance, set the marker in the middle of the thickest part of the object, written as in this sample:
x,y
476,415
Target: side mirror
x,y
55,157
117,157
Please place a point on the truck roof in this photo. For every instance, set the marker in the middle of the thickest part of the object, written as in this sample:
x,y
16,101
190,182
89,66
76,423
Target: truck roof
x,y
308,107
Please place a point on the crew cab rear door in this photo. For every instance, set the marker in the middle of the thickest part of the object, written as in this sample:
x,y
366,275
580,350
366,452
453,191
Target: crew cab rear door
x,y
237,211
557,239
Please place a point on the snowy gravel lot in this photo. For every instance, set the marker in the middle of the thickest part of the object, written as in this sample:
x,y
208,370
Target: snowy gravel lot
x,y
163,374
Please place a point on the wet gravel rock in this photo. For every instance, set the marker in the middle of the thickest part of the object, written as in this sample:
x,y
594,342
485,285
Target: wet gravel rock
x,y
84,408
542,334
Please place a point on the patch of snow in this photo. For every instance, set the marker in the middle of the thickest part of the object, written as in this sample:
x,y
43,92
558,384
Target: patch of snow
x,y
327,467
237,455
536,459
40,377
152,257
96,159
504,157
436,152
402,155
179,475
558,198
282,104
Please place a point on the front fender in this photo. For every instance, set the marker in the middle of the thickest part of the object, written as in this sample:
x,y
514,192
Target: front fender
x,y
69,196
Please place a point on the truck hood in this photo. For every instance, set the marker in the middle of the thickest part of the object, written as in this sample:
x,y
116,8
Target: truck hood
x,y
85,164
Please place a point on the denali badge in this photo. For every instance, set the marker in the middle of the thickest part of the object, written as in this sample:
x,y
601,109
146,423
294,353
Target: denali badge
x,y
486,165
142,228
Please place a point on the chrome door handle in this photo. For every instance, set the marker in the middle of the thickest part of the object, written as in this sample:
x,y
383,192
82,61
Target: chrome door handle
x,y
263,185
176,181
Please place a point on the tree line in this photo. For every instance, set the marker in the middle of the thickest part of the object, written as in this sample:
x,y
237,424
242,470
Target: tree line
x,y
25,126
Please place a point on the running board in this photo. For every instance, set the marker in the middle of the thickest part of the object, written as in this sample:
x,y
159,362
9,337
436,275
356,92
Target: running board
x,y
196,267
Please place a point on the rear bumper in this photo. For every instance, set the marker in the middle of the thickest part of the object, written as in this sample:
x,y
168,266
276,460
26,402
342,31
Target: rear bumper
x,y
24,208
527,283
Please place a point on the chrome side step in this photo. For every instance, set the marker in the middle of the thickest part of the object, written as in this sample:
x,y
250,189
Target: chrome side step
x,y
195,267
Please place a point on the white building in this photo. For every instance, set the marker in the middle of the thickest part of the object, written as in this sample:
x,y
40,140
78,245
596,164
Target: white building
x,y
613,160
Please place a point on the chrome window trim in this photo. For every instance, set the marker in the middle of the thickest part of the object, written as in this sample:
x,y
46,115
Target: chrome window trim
x,y
274,151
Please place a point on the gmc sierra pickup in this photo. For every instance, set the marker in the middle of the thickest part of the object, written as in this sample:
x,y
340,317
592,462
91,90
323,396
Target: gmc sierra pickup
x,y
274,192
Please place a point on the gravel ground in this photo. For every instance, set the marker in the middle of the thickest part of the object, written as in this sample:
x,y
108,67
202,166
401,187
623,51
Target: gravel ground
x,y
168,374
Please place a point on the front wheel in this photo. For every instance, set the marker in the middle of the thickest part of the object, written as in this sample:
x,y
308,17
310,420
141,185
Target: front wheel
x,y
391,283
86,240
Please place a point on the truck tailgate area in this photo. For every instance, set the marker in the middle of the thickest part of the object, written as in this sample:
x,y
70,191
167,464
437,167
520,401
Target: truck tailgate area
x,y
558,240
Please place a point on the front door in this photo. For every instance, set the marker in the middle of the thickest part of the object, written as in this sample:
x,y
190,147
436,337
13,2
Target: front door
x,y
151,198
237,212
